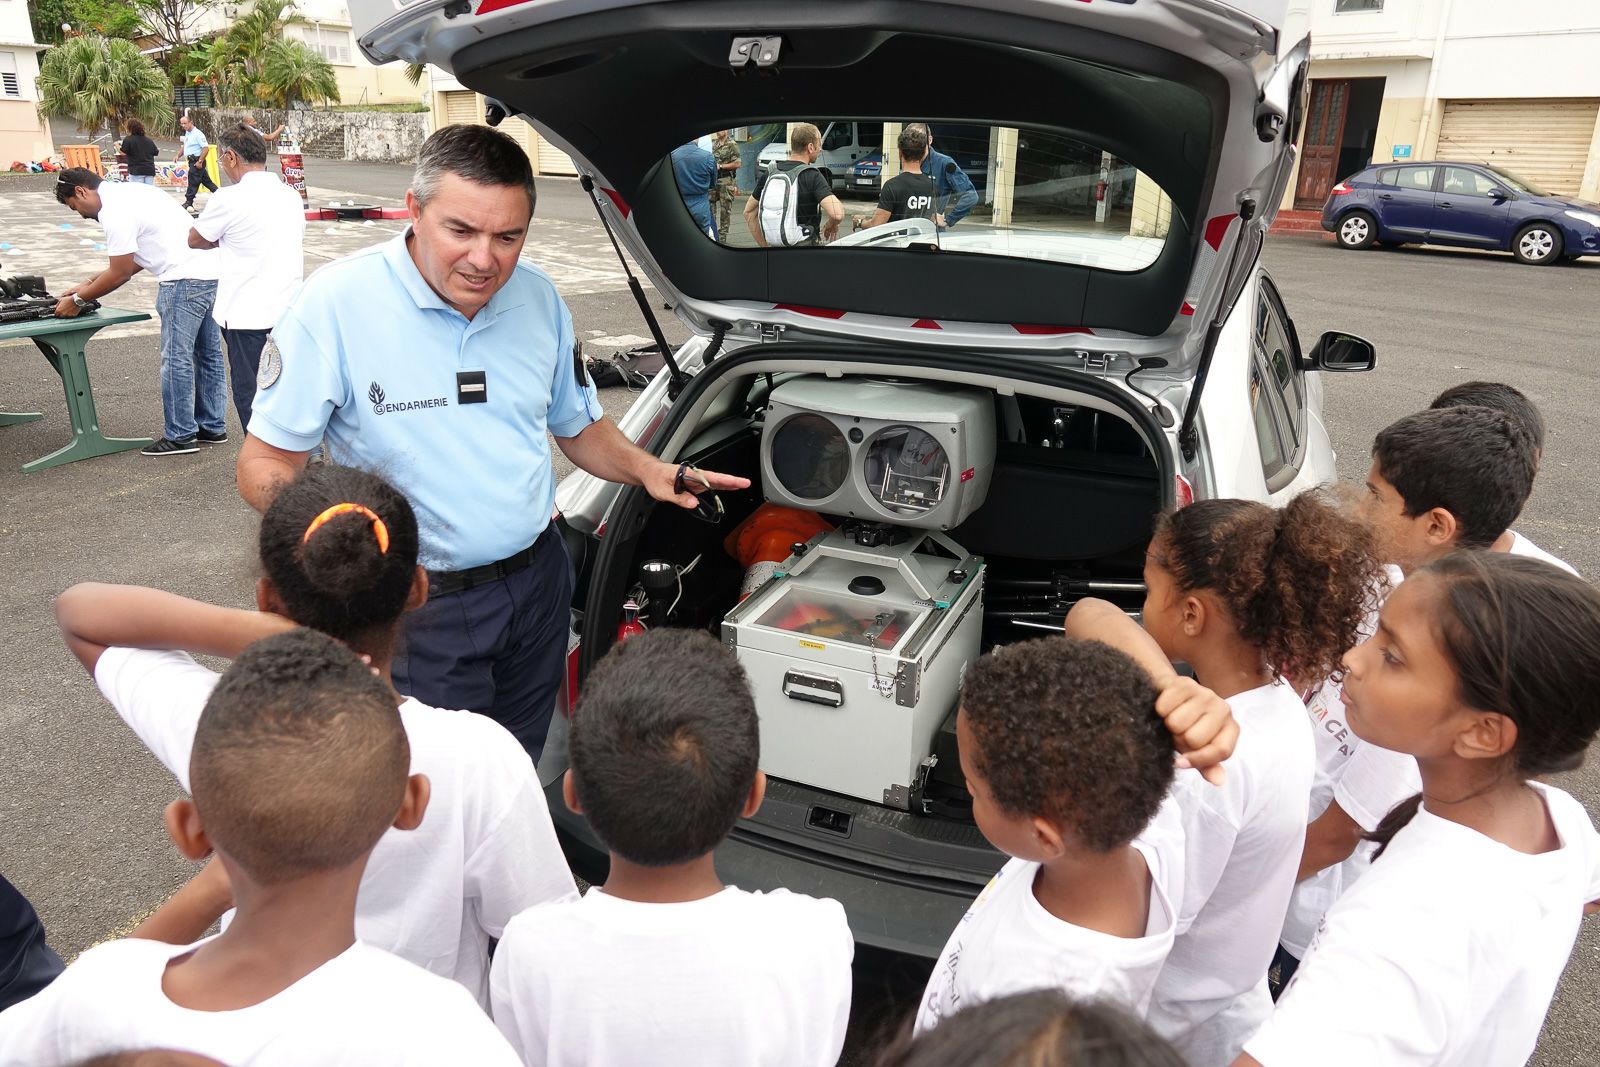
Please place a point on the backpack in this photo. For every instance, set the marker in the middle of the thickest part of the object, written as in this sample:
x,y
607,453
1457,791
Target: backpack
x,y
779,207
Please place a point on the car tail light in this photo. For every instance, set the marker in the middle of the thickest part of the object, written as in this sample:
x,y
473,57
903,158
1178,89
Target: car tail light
x,y
1182,491
1339,190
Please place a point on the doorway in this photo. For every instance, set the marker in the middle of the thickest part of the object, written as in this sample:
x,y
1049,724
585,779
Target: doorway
x,y
1340,133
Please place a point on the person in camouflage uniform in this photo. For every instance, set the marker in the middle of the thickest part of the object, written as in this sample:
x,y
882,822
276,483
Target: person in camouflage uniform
x,y
723,194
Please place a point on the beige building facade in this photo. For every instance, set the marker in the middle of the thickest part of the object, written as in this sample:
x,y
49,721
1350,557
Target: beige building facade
x,y
23,136
1515,86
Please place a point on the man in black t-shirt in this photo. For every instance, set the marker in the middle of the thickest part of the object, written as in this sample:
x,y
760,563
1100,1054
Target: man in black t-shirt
x,y
909,194
817,210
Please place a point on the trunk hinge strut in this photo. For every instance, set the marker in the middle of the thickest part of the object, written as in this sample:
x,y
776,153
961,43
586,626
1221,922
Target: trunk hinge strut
x,y
677,378
1243,256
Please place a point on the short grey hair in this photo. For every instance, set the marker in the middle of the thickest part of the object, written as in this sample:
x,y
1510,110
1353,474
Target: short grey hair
x,y
476,153
243,142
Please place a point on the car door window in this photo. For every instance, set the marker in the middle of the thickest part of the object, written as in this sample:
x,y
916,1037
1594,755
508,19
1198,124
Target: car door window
x,y
1276,343
1389,177
838,136
1459,181
1416,179
1266,422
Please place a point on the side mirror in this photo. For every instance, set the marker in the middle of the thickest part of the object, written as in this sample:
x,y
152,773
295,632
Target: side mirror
x,y
1338,351
1499,194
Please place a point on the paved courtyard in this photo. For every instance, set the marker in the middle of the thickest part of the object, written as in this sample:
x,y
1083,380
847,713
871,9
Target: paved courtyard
x,y
80,799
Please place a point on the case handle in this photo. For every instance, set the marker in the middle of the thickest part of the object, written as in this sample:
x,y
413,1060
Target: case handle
x,y
813,689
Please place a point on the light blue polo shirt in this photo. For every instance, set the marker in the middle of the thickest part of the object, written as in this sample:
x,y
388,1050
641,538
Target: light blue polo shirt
x,y
369,355
194,143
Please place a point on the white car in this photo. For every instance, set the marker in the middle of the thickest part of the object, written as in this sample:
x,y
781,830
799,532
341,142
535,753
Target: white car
x,y
981,423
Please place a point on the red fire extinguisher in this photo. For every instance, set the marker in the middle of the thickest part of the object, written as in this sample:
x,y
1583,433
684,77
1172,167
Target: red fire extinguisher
x,y
1099,190
630,625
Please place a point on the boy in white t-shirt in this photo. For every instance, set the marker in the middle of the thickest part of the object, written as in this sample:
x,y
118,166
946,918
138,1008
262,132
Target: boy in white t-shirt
x,y
338,547
663,964
1068,765
299,766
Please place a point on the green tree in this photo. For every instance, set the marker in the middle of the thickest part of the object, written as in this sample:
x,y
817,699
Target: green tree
x,y
170,21
292,72
98,81
47,17
108,18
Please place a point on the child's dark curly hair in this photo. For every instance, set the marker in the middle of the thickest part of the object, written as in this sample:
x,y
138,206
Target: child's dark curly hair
x,y
1068,730
1297,582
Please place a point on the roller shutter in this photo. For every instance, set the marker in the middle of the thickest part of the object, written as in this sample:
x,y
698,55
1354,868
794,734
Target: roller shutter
x,y
461,106
1545,141
551,160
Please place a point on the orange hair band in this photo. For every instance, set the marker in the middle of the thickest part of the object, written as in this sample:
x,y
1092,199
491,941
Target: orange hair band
x,y
379,530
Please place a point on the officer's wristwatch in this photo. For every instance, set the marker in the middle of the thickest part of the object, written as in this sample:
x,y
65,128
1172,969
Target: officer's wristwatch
x,y
80,301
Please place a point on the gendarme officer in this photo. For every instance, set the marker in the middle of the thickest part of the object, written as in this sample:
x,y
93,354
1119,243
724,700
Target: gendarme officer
x,y
439,360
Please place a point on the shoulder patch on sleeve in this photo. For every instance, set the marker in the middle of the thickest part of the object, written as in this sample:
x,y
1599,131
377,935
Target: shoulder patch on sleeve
x,y
271,365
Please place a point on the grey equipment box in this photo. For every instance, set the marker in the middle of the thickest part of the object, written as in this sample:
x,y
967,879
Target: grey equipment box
x,y
856,654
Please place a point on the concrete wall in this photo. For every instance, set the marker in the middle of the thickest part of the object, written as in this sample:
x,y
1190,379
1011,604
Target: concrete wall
x,y
377,136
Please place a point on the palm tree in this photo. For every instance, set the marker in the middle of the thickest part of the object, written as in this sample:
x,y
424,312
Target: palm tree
x,y
99,81
292,71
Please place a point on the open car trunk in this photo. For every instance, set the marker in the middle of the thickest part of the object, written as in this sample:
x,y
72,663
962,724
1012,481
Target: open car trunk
x,y
1077,478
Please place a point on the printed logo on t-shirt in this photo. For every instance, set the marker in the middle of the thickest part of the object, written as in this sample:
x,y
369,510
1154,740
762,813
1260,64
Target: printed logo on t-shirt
x,y
376,394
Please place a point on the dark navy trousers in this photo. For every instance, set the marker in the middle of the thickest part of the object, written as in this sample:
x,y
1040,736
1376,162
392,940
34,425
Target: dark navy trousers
x,y
27,964
499,649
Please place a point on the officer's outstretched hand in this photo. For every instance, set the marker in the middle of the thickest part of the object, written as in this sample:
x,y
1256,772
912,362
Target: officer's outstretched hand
x,y
683,485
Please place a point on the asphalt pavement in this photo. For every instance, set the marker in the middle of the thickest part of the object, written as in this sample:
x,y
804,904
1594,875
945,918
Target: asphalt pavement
x,y
81,800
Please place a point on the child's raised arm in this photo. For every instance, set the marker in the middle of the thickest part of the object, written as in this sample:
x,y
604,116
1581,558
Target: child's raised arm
x,y
192,910
1201,722
94,617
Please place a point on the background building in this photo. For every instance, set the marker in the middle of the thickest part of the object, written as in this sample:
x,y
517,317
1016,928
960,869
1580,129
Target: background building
x,y
453,102
1513,85
326,29
23,137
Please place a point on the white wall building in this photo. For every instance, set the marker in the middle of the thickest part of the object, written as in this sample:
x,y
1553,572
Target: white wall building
x,y
1512,85
326,28
23,137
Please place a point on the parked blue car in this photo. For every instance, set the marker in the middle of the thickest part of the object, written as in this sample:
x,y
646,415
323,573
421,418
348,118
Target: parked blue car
x,y
1460,204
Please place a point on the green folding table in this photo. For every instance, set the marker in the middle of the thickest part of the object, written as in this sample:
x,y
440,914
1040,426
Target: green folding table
x,y
63,342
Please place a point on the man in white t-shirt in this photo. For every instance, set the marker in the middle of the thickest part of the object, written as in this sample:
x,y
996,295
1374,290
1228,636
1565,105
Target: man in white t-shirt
x,y
435,895
1088,903
145,230
258,224
663,964
299,765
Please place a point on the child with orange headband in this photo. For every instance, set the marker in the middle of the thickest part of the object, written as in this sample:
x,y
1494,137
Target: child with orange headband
x,y
339,552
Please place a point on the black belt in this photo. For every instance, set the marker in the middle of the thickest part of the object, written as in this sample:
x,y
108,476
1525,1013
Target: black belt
x,y
443,583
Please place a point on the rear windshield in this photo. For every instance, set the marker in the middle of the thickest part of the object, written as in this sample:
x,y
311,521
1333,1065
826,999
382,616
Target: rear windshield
x,y
956,187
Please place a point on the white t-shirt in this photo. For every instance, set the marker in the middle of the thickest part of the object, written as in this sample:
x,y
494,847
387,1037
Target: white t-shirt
x,y
259,224
1366,781
144,221
1008,943
435,895
1521,546
361,1007
1242,845
755,979
1446,953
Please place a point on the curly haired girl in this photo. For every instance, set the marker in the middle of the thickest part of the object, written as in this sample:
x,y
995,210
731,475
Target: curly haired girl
x,y
1247,595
